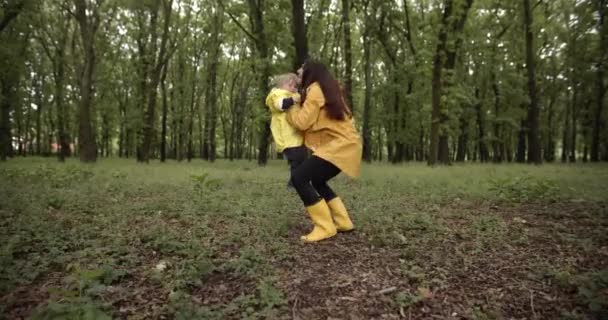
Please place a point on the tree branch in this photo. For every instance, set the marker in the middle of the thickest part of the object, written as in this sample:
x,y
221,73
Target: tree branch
x,y
503,31
68,10
241,27
11,14
45,47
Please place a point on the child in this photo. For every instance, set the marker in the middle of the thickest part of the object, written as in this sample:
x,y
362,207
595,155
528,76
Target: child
x,y
287,139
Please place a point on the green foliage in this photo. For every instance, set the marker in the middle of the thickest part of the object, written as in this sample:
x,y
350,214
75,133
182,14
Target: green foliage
x,y
591,287
202,182
249,262
78,299
265,304
193,272
182,307
406,299
78,309
270,297
95,242
524,188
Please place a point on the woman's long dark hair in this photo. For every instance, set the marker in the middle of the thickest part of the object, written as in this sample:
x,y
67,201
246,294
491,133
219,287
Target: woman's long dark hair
x,y
334,101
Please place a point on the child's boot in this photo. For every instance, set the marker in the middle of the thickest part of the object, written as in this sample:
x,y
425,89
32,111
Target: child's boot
x,y
323,224
340,215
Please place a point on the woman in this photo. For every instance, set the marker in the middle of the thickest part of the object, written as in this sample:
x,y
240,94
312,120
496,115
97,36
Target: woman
x,y
329,132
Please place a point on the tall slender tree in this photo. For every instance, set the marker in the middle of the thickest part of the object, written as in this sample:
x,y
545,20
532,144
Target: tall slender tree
x,y
534,147
299,33
88,16
602,57
348,64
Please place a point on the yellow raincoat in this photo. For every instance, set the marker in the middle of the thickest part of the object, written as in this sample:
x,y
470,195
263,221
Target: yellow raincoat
x,y
284,134
332,140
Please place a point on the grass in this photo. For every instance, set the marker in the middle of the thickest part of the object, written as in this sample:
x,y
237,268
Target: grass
x,y
197,240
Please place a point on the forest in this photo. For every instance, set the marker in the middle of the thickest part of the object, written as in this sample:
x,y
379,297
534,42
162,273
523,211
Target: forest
x,y
434,81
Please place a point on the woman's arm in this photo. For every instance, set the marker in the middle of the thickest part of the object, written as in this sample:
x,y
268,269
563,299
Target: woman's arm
x,y
303,118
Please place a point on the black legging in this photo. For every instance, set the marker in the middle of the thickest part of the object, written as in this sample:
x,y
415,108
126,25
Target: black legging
x,y
310,180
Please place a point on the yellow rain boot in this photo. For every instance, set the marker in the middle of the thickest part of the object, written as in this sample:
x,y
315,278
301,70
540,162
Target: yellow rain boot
x,y
321,218
340,215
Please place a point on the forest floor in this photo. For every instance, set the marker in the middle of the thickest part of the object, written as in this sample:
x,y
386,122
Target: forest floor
x,y
221,241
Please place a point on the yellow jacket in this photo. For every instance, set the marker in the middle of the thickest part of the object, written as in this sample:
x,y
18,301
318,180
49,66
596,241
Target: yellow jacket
x,y
333,140
284,134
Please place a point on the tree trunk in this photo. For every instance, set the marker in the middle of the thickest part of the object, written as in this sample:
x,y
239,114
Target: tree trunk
x,y
367,106
193,105
211,93
241,120
39,107
256,14
534,147
299,33
180,102
151,78
348,71
509,146
598,121
18,119
10,78
521,143
163,130
497,157
88,29
59,61
201,131
482,148
5,123
573,132
437,85
565,134
550,149
421,144
445,58
463,140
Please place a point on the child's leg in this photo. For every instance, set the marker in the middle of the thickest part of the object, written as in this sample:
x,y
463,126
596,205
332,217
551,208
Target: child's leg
x,y
295,156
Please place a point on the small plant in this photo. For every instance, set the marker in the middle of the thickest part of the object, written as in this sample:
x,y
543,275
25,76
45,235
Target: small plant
x,y
76,301
270,296
525,188
182,307
75,309
249,262
405,299
193,271
591,287
202,182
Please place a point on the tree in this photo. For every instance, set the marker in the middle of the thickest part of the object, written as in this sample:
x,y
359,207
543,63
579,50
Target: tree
x,y
534,151
14,46
367,107
54,42
213,57
299,33
443,65
258,36
348,65
153,57
598,122
88,17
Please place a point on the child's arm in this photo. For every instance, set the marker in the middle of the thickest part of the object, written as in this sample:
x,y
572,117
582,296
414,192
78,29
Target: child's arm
x,y
286,103
283,104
